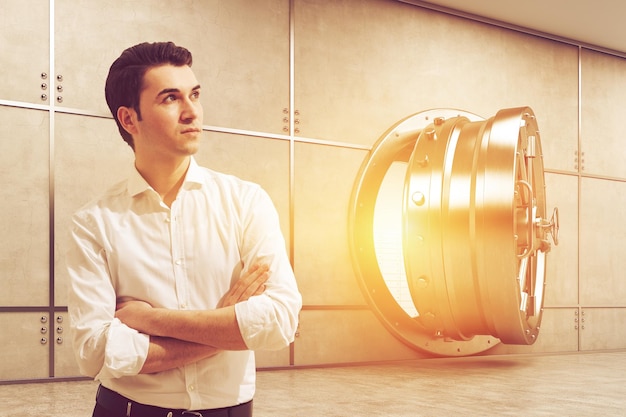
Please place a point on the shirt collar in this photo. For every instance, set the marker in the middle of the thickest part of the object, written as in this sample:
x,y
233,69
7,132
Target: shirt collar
x,y
137,184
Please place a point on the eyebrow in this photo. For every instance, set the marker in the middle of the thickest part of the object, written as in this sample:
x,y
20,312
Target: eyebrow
x,y
175,90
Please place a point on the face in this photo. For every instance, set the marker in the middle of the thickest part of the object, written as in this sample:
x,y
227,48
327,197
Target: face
x,y
171,114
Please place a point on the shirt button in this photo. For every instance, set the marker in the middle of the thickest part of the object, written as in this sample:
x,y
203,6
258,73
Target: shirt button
x,y
178,261
183,306
191,387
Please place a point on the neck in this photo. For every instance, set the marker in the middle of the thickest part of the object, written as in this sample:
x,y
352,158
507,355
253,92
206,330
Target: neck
x,y
166,177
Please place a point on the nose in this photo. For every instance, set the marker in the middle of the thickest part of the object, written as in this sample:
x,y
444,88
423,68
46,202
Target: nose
x,y
192,110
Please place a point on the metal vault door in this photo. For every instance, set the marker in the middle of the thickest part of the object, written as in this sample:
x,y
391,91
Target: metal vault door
x,y
474,229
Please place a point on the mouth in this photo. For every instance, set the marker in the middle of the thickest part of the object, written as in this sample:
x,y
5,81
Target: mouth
x,y
191,130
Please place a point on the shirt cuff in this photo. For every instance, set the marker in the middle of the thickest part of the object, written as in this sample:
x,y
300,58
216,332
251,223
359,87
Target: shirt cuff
x,y
125,352
258,325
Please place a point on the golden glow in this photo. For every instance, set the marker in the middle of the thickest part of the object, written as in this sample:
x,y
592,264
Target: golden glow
x,y
388,236
449,230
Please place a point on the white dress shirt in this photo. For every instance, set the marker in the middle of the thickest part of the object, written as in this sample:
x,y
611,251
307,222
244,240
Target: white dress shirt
x,y
128,243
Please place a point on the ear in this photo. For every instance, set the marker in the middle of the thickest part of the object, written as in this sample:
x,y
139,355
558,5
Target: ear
x,y
128,119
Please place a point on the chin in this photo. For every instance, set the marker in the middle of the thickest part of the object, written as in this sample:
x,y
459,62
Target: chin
x,y
189,146
192,149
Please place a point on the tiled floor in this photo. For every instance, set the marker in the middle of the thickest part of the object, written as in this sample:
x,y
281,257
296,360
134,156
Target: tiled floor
x,y
590,384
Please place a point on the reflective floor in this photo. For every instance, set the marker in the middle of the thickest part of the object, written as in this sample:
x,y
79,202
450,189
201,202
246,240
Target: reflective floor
x,y
589,384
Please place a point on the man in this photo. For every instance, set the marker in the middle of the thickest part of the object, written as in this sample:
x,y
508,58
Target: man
x,y
177,273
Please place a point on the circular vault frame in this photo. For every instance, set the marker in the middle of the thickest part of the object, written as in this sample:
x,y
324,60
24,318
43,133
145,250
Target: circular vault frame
x,y
474,229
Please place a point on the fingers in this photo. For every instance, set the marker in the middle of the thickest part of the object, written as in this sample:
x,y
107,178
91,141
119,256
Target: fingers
x,y
251,283
255,277
254,271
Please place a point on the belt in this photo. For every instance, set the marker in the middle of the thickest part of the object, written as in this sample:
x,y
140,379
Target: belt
x,y
120,405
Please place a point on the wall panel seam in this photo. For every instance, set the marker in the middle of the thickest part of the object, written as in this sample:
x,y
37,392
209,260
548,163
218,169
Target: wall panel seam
x,y
51,143
292,180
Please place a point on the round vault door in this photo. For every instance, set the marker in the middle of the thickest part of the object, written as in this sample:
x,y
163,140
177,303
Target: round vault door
x,y
450,233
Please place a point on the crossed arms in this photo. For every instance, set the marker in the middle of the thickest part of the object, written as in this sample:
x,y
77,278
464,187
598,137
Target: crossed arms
x,y
179,337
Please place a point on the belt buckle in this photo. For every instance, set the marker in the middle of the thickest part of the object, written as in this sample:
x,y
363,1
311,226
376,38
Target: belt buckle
x,y
191,413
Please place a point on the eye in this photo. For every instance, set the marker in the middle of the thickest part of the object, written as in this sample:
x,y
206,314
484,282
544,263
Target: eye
x,y
195,94
169,98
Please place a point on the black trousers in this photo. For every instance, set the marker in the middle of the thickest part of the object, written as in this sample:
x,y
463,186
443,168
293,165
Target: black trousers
x,y
111,404
100,411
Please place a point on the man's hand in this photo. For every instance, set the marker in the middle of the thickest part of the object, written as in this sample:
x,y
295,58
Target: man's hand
x,y
251,283
132,313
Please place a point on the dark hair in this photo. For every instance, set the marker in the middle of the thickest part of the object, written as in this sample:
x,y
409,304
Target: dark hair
x,y
125,80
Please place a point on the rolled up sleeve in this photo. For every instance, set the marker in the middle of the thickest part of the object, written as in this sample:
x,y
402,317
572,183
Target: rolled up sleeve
x,y
125,352
104,347
268,321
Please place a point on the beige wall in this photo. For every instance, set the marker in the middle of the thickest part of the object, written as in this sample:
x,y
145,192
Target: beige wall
x,y
358,67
